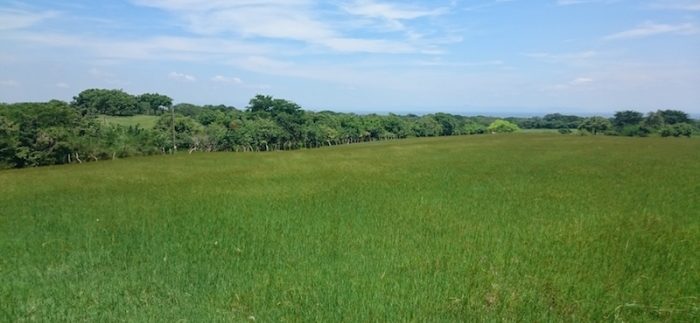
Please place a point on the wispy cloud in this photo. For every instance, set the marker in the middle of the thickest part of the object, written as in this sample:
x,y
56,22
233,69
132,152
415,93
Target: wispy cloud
x,y
652,29
390,13
581,57
20,19
181,77
487,4
226,79
575,2
295,20
159,47
581,81
689,5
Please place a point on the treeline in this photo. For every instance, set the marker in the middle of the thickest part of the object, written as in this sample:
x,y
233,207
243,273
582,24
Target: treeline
x,y
56,132
624,123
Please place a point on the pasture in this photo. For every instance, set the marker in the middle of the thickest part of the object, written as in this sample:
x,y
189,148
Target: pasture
x,y
523,227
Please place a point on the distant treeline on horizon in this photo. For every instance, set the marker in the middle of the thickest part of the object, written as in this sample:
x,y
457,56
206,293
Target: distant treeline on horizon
x,y
58,132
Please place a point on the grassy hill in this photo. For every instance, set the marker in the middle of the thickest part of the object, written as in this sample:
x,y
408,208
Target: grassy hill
x,y
524,227
144,121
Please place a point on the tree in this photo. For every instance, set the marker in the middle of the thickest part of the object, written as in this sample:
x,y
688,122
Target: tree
x,y
151,102
261,105
185,130
500,126
627,118
472,128
654,120
449,123
595,125
109,102
559,121
9,143
676,130
674,116
427,126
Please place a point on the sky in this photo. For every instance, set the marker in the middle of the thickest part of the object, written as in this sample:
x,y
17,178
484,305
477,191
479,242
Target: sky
x,y
480,56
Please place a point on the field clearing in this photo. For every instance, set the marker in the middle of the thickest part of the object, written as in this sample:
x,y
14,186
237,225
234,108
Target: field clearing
x,y
144,121
522,227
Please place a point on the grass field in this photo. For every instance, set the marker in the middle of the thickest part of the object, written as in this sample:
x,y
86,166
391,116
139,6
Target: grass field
x,y
524,227
144,121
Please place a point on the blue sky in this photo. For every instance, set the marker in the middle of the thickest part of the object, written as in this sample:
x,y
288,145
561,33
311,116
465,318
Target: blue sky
x,y
481,56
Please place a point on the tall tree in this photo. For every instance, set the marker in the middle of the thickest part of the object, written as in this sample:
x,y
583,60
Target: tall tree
x,y
674,116
595,125
109,102
151,102
627,118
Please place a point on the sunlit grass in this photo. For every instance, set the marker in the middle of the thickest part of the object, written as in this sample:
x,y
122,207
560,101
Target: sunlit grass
x,y
524,227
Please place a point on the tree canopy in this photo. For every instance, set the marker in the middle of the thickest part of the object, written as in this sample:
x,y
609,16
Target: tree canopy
x,y
56,132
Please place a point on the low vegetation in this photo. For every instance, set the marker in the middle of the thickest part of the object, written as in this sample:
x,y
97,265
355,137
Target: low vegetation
x,y
512,227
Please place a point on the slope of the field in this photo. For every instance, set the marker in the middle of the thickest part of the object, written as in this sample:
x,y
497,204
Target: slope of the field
x,y
529,227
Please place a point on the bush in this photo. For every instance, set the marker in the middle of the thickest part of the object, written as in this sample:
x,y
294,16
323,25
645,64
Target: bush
x,y
564,131
500,126
676,130
635,131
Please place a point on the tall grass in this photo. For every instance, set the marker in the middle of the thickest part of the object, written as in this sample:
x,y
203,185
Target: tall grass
x,y
528,227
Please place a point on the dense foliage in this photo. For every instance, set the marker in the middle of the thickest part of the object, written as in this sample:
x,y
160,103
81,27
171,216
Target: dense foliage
x,y
56,132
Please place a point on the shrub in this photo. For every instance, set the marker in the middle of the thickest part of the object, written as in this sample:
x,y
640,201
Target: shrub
x,y
502,126
564,131
676,130
635,131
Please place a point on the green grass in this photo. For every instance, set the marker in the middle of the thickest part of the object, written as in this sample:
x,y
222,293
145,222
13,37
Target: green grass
x,y
523,227
144,121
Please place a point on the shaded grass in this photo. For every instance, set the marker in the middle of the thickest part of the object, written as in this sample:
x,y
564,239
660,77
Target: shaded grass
x,y
524,227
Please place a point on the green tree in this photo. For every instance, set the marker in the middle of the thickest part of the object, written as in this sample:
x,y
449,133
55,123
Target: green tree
x,y
626,118
595,125
185,130
676,130
674,116
9,143
427,126
654,120
151,103
499,126
109,102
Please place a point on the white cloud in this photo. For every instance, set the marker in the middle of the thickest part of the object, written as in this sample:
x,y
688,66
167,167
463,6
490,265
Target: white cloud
x,y
652,29
388,11
19,19
296,20
159,48
581,81
181,77
62,85
226,79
